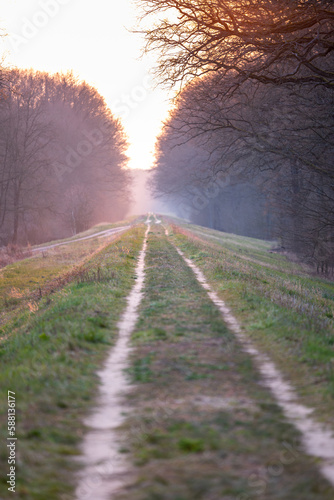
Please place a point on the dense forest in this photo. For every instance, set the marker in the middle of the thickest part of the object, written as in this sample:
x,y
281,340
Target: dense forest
x,y
62,158
248,146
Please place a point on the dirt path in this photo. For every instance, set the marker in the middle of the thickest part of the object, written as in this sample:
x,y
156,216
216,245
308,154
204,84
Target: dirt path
x,y
104,466
317,439
102,234
171,398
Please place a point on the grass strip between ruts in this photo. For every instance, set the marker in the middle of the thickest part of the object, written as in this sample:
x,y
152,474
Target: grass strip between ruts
x,y
201,425
290,317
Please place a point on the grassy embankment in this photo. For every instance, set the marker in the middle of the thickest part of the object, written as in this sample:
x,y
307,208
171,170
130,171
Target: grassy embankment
x,y
93,230
285,310
14,253
24,282
51,351
202,427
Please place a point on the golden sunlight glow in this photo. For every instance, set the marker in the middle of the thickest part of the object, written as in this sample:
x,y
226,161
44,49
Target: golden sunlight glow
x,y
92,39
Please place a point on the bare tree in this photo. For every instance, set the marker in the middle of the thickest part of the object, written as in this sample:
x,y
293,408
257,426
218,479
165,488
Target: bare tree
x,y
79,210
25,162
270,41
58,137
274,139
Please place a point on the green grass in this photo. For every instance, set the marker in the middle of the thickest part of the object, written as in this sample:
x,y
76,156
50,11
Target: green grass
x,y
288,313
50,362
201,426
23,283
93,230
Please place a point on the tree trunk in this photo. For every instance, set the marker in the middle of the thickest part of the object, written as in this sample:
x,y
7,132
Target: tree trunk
x,y
16,216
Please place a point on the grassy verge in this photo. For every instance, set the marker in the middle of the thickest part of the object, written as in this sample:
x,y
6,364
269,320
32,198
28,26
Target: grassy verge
x,y
93,230
288,314
199,412
25,282
50,363
248,249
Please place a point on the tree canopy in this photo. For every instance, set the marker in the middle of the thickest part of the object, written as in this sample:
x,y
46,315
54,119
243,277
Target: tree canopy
x,y
62,158
253,119
270,41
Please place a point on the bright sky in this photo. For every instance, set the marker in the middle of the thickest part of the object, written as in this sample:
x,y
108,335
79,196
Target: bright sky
x,y
91,38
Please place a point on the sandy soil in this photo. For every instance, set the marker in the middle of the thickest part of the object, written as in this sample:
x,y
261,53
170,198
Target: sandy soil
x,y
317,439
105,468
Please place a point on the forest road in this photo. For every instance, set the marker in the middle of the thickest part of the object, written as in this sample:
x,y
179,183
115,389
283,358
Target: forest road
x,y
102,234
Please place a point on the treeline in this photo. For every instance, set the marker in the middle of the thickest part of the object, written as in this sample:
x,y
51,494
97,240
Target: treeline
x,y
62,158
248,147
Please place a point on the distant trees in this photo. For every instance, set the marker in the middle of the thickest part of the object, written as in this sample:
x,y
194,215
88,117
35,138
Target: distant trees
x,y
275,164
62,158
25,139
78,209
257,126
3,34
